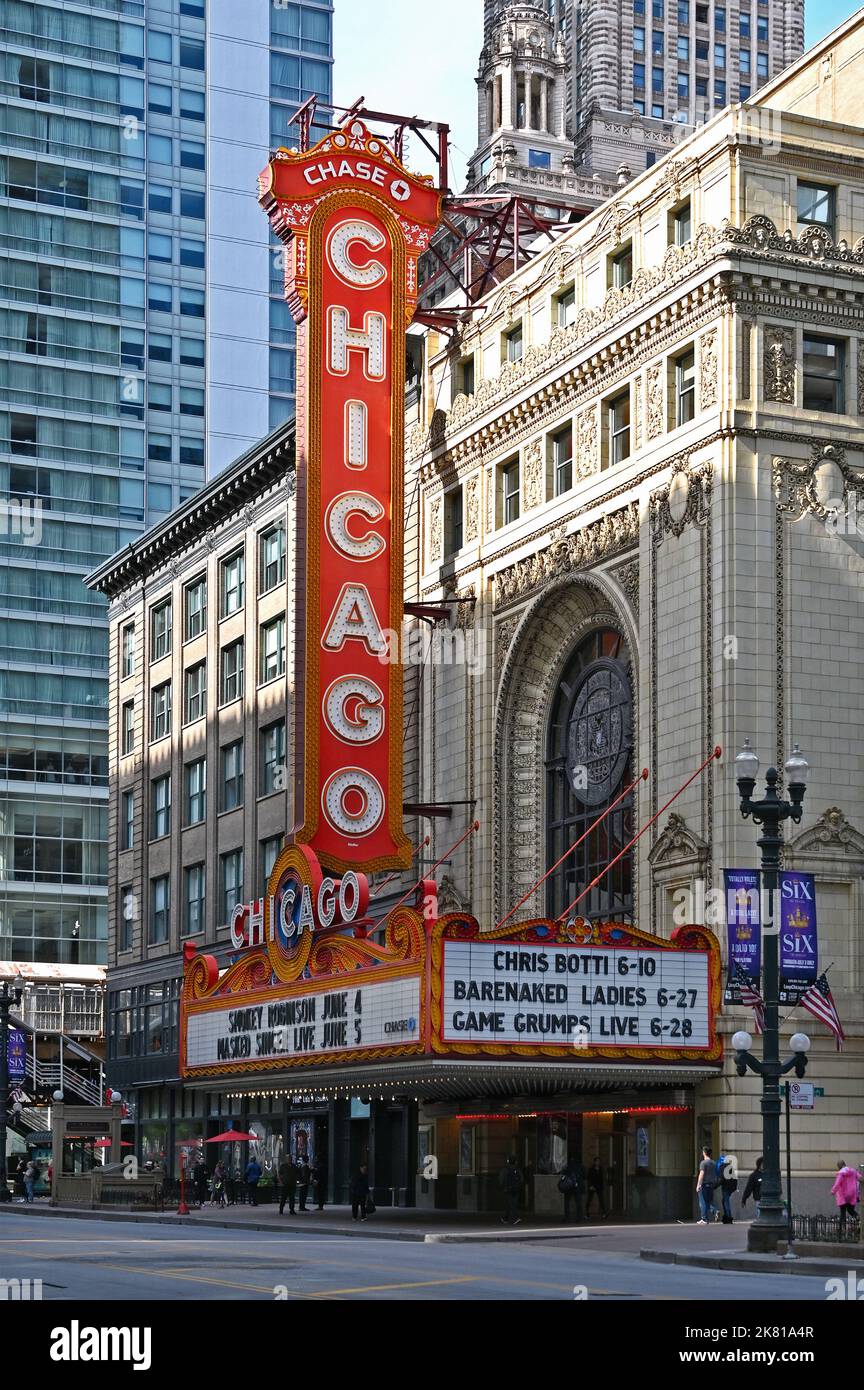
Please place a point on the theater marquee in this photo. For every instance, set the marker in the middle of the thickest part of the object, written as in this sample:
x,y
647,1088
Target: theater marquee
x,y
540,990
355,223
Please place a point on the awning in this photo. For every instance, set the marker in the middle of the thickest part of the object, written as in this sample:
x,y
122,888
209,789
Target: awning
x,y
446,1079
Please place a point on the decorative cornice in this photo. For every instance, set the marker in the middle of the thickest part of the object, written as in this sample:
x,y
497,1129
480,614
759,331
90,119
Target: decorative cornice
x,y
566,554
677,846
831,833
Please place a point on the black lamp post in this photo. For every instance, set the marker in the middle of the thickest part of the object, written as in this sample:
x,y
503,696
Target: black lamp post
x,y
9,995
770,813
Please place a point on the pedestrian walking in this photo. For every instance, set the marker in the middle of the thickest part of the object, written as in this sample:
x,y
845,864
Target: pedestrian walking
x,y
232,1177
304,1175
319,1183
510,1180
753,1187
19,1180
728,1185
595,1189
571,1183
359,1193
287,1184
845,1192
31,1172
253,1177
705,1185
218,1197
201,1182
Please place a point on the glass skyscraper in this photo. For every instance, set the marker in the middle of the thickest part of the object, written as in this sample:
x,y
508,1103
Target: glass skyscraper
x,y
145,344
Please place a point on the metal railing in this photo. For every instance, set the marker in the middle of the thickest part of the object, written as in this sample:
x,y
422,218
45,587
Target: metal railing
x,y
47,1076
826,1228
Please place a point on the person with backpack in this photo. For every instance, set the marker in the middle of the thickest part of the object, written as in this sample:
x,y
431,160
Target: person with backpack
x,y
570,1183
358,1193
754,1186
728,1185
595,1188
705,1185
253,1177
510,1179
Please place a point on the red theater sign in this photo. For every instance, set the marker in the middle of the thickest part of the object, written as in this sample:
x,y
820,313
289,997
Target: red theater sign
x,y
355,223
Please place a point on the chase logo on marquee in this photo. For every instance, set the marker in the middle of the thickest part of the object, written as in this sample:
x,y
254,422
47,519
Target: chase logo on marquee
x,y
355,223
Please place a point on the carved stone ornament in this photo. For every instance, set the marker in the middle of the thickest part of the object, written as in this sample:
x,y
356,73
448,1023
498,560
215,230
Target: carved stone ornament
x,y
818,485
628,577
566,554
683,501
831,833
779,365
678,846
472,508
436,536
656,395
708,370
504,631
533,471
586,443
450,898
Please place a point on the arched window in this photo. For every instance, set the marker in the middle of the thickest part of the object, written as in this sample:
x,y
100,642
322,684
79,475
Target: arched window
x,y
589,756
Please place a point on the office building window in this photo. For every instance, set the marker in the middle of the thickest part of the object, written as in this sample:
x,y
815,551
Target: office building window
x,y
192,254
685,388
657,40
195,601
192,104
621,268
683,48
720,21
159,98
816,204
233,573
762,29
127,820
271,558
192,302
638,39
127,661
195,791
682,224
744,61
194,877
657,81
453,521
158,46
762,65
683,11
513,344
638,77
273,770
539,159
232,883
232,672
191,154
192,401
192,54
744,26
684,87
562,461
160,631
160,909
127,728
196,692
618,411
720,56
270,851
160,347
160,711
719,92
702,50
160,807
192,204
192,352
565,307
232,776
126,913
510,491
159,197
272,650
824,371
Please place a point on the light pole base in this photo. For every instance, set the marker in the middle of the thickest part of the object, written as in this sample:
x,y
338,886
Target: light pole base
x,y
763,1240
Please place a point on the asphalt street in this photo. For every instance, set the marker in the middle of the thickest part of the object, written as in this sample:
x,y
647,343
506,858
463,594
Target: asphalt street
x,y
101,1262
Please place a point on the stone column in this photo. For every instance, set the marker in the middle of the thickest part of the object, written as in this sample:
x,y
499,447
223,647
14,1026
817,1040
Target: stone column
x,y
544,103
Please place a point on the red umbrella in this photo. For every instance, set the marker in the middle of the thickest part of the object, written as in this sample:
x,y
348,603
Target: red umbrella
x,y
106,1144
230,1136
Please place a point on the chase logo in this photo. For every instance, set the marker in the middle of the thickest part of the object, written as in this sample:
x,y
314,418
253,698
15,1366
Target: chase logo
x,y
401,1025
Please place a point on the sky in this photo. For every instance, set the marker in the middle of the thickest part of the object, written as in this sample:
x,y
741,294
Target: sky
x,y
420,58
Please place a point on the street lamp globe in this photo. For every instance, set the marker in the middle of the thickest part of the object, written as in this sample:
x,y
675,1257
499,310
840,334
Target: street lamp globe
x,y
747,763
741,1041
796,768
799,1042
58,1095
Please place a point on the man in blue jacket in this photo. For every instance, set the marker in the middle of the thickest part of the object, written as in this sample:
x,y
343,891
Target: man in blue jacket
x,y
253,1177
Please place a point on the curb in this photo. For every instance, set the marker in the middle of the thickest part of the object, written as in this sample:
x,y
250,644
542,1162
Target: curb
x,y
541,1233
749,1264
171,1219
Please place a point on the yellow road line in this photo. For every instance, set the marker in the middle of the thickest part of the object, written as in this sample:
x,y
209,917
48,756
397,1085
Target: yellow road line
x,y
381,1288
201,1279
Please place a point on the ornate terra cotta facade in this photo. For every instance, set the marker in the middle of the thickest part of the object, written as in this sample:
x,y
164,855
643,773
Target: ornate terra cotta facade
x,y
670,467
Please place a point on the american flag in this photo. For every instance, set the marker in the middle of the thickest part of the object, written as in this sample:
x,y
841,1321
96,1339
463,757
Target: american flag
x,y
818,1001
751,997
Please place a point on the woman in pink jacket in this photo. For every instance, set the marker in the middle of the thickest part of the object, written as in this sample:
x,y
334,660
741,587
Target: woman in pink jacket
x,y
845,1192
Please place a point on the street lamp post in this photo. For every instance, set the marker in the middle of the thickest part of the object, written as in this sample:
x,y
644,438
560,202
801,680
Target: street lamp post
x,y
9,995
771,1224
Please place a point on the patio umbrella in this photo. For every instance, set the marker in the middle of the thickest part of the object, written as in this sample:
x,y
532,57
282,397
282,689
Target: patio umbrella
x,y
106,1144
230,1136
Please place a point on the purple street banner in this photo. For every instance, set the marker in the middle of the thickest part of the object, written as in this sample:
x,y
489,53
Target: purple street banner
x,y
743,929
16,1054
798,938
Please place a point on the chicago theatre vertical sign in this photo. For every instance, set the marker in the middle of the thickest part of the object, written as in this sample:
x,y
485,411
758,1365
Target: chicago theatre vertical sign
x,y
355,223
